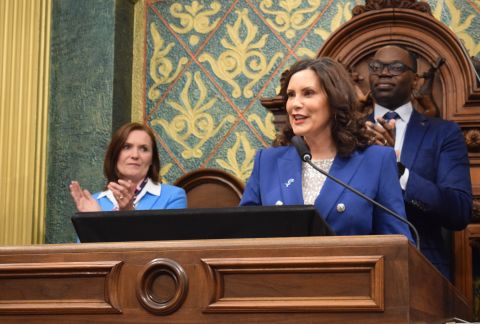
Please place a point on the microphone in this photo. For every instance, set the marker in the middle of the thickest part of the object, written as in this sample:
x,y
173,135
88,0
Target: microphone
x,y
306,156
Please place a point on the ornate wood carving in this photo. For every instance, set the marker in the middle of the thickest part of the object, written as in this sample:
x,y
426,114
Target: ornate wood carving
x,y
472,139
454,90
255,285
453,86
476,65
384,4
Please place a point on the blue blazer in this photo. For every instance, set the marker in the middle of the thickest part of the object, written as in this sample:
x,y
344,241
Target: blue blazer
x,y
438,193
170,197
277,177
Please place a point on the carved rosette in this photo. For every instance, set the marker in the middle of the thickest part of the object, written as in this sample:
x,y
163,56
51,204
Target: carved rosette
x,y
472,139
145,282
371,5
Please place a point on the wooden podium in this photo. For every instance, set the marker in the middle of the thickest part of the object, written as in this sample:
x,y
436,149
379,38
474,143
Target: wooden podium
x,y
366,279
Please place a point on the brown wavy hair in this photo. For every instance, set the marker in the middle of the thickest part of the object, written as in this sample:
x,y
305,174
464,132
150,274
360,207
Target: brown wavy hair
x,y
348,124
115,147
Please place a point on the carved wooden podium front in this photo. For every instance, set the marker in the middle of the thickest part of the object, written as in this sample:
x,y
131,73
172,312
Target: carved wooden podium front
x,y
366,279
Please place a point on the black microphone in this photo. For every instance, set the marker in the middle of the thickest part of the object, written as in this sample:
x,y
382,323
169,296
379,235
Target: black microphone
x,y
306,156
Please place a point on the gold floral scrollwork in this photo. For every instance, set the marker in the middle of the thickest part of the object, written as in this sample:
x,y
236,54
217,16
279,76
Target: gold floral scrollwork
x,y
457,26
293,17
344,13
161,67
164,171
193,123
194,17
305,52
244,56
241,170
266,126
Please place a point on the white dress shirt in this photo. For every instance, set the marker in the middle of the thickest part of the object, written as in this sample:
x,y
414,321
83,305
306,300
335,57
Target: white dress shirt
x,y
150,187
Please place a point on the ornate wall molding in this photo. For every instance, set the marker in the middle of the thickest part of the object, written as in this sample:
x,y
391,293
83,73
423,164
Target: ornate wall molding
x,y
372,5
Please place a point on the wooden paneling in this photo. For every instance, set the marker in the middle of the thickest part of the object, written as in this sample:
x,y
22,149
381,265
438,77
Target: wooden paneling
x,y
59,287
296,284
366,279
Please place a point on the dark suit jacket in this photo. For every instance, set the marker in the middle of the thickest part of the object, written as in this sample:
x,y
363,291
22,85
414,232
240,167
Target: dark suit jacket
x,y
438,193
277,177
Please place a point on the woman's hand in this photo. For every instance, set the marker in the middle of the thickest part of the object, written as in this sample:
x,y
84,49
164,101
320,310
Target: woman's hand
x,y
83,199
124,193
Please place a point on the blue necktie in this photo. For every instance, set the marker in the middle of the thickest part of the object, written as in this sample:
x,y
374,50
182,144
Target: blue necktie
x,y
391,115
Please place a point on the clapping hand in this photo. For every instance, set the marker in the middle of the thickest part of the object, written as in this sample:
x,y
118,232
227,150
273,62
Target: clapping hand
x,y
124,193
382,133
83,198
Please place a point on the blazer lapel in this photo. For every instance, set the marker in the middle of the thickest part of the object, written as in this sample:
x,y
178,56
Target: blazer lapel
x,y
416,129
342,169
291,177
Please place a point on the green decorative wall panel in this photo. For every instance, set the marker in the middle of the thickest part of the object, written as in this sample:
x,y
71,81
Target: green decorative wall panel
x,y
208,63
203,67
83,110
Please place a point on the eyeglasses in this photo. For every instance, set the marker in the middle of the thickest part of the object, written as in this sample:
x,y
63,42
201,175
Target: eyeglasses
x,y
394,68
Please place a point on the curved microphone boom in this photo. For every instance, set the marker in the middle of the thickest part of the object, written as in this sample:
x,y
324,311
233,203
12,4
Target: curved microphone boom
x,y
306,156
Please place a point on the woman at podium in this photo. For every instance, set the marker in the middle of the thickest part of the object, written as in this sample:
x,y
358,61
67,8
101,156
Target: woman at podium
x,y
132,168
322,107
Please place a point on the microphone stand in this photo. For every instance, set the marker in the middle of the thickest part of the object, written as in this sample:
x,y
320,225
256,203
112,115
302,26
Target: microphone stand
x,y
307,158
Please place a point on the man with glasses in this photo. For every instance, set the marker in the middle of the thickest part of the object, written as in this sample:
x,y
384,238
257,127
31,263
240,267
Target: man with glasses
x,y
432,157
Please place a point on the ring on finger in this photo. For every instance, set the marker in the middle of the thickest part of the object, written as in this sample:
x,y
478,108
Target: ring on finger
x,y
121,197
385,142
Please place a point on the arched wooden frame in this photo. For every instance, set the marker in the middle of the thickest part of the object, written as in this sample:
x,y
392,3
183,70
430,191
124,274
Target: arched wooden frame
x,y
455,88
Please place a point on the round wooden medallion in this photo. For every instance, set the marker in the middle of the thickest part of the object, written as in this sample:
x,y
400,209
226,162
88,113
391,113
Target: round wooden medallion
x,y
162,286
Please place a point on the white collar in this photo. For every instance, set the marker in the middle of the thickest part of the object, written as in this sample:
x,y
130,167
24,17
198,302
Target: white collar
x,y
150,187
404,111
